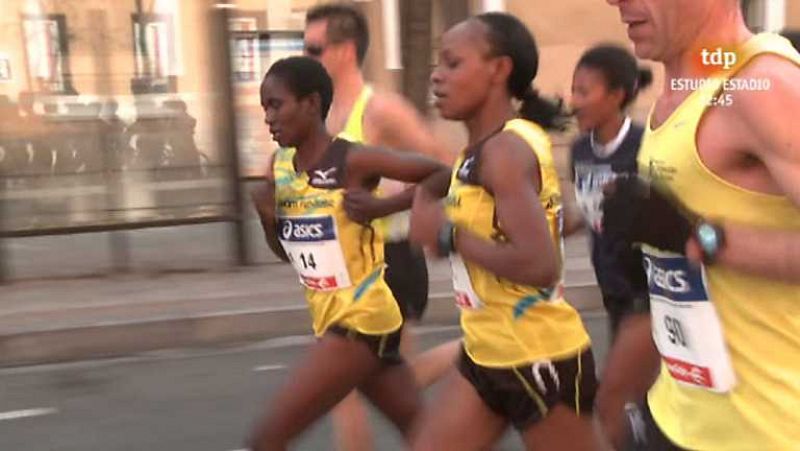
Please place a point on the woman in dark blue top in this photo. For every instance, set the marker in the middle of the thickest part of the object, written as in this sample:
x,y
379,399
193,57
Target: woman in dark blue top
x,y
605,82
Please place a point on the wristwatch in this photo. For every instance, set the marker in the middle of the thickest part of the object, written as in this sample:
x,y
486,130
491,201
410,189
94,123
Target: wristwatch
x,y
445,241
711,238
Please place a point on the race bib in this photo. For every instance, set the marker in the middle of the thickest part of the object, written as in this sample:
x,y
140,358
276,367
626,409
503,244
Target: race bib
x,y
314,250
686,328
462,285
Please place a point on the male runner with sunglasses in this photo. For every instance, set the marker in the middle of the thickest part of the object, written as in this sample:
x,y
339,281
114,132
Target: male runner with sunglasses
x,y
337,35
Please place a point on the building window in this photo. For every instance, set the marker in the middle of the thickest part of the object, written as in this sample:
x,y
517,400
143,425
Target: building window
x,y
154,52
245,55
47,52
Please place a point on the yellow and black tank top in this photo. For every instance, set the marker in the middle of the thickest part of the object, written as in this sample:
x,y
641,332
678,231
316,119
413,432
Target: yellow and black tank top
x,y
507,324
744,392
340,262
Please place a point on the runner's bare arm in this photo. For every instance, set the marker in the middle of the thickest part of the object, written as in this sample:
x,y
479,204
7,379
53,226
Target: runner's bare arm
x,y
390,121
573,218
263,198
397,125
365,165
509,170
773,137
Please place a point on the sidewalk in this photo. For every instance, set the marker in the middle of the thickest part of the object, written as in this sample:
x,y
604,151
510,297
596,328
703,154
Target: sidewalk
x,y
69,318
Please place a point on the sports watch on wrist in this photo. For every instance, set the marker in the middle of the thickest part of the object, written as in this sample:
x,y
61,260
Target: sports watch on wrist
x,y
711,238
445,241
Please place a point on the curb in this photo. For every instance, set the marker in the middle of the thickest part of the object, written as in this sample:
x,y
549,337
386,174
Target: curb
x,y
223,328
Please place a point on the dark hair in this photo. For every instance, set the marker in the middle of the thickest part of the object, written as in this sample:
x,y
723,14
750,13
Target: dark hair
x,y
619,68
508,36
793,36
304,76
345,23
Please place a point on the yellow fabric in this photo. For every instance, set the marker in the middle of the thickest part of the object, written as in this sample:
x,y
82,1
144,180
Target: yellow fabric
x,y
760,318
354,127
517,324
368,305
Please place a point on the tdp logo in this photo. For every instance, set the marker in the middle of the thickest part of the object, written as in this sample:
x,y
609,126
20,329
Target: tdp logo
x,y
306,229
718,57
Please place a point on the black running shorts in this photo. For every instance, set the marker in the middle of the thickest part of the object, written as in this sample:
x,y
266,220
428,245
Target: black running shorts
x,y
523,395
386,347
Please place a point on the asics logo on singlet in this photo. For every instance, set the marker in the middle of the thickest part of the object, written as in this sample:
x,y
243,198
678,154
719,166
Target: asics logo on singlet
x,y
302,229
674,278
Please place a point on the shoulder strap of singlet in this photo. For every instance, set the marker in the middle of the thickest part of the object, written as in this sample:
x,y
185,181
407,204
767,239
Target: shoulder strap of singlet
x,y
536,138
354,128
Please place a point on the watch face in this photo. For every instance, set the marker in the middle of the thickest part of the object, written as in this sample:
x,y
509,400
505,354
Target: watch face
x,y
707,236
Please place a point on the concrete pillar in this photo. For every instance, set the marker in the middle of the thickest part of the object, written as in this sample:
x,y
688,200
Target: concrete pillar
x,y
774,15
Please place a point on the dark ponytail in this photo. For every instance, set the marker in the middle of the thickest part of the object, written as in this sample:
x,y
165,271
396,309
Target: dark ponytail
x,y
549,114
507,36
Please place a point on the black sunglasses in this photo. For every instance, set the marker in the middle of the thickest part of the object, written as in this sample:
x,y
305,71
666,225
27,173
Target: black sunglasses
x,y
314,50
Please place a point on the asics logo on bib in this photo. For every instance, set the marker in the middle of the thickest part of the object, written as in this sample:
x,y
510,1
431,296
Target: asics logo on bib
x,y
306,229
673,278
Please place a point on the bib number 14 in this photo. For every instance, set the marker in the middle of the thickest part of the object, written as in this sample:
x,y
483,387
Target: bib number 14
x,y
307,260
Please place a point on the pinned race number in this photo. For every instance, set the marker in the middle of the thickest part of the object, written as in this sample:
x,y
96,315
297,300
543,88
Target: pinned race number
x,y
313,248
466,297
686,327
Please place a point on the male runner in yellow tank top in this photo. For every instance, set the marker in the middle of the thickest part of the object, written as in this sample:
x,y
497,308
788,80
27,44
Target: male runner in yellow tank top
x,y
337,36
720,231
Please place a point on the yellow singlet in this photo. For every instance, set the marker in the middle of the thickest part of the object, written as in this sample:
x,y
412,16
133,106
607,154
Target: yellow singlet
x,y
339,261
507,324
730,342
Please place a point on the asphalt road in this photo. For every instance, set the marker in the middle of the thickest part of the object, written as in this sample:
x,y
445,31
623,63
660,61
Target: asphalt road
x,y
175,400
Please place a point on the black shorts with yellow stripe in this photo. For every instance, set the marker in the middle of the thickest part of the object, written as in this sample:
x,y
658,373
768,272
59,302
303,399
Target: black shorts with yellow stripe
x,y
385,346
525,394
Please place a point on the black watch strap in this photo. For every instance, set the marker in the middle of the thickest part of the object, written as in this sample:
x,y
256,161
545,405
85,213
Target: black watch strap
x,y
445,241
